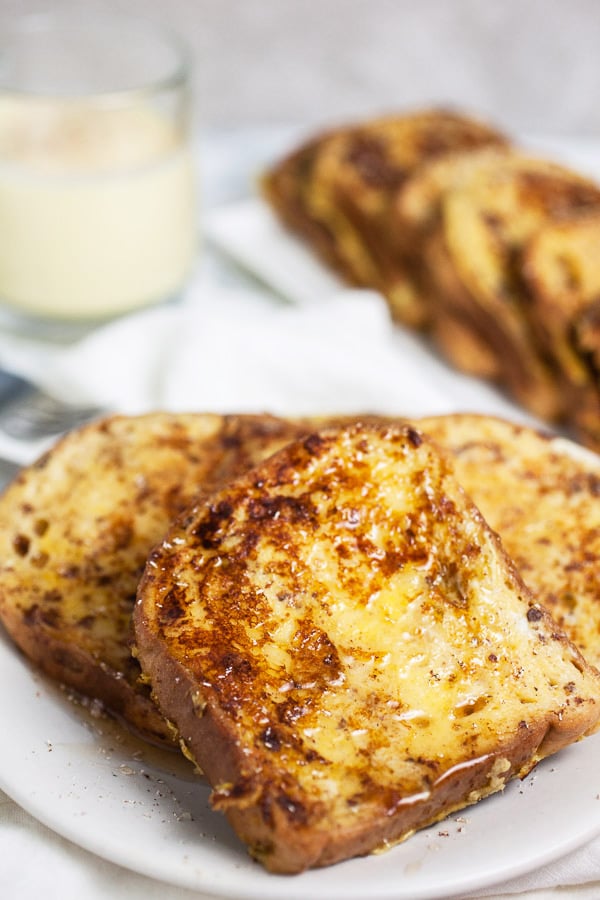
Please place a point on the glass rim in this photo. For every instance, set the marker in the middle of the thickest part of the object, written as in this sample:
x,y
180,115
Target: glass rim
x,y
177,75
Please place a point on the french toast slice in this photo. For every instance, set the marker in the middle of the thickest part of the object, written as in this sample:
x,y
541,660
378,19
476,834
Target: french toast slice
x,y
346,650
285,186
418,200
337,191
540,493
76,528
486,222
561,267
415,215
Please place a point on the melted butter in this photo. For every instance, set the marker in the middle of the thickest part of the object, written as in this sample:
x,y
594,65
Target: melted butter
x,y
428,659
413,606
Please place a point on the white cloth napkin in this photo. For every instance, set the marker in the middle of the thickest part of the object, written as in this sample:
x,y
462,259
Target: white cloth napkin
x,y
230,347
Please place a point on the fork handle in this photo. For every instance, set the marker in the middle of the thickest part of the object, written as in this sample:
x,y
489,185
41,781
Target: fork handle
x,y
11,386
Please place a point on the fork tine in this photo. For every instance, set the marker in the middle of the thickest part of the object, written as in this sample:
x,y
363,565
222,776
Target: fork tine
x,y
34,414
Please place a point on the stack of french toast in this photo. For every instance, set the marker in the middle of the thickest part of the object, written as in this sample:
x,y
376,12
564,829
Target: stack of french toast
x,y
353,626
490,250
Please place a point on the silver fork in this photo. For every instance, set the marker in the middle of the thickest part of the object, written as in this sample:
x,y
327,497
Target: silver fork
x,y
28,413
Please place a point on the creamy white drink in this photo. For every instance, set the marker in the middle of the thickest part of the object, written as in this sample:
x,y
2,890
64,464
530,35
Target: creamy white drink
x,y
97,208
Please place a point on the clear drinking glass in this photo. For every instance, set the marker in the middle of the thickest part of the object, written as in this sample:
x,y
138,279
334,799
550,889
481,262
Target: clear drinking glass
x,y
97,199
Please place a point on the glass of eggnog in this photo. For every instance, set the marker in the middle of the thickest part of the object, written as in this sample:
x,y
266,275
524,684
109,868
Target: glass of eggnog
x,y
97,198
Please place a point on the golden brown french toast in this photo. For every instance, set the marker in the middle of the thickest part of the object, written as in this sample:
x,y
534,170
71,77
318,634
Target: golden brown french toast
x,y
446,218
286,185
476,259
561,267
417,201
415,215
540,493
346,650
337,191
76,528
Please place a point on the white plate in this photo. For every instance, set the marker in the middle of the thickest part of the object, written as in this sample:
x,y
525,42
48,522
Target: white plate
x,y
145,810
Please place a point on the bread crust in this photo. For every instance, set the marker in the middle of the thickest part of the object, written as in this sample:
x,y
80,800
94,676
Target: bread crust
x,y
76,528
415,217
337,192
456,331
561,270
235,627
286,185
453,224
486,222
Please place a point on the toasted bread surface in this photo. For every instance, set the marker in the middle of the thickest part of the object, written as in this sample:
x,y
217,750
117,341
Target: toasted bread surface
x,y
354,184
561,266
415,215
337,190
540,493
346,650
77,526
489,249
417,202
285,186
486,223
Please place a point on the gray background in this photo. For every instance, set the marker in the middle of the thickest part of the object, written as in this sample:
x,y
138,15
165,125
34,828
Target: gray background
x,y
532,65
